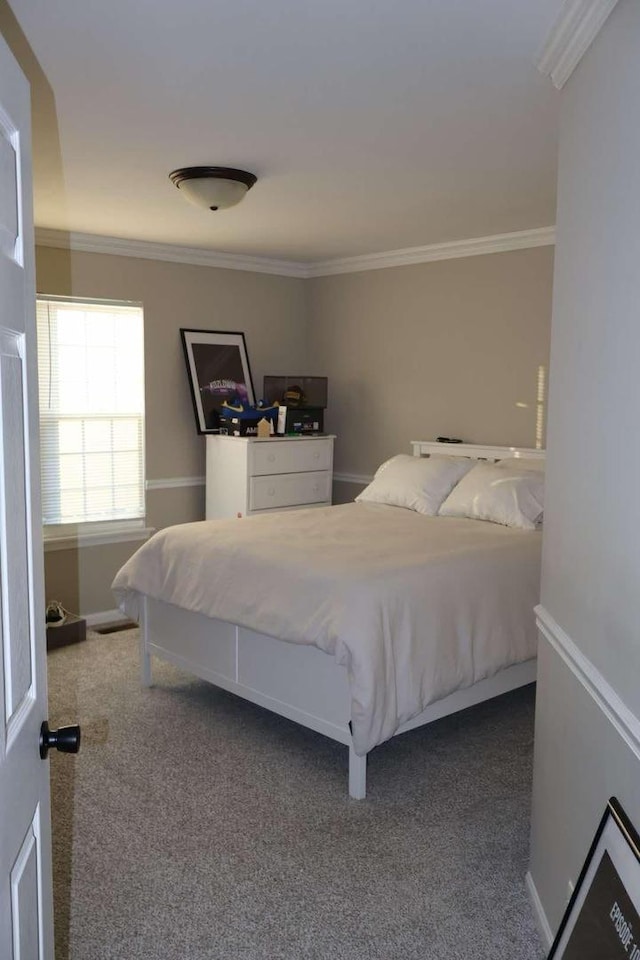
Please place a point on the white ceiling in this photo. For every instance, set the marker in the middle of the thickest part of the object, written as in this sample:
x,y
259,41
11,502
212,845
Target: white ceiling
x,y
371,125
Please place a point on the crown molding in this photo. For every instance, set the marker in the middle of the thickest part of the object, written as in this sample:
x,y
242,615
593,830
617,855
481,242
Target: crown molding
x,y
498,243
573,32
146,250
451,250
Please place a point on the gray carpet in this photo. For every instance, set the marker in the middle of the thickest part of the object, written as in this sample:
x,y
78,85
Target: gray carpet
x,y
194,826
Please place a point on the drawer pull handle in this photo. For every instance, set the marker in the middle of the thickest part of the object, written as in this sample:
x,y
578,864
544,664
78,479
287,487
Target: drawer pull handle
x,y
271,491
271,457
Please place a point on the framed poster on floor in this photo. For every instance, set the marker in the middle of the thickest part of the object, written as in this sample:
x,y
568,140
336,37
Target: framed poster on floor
x,y
602,921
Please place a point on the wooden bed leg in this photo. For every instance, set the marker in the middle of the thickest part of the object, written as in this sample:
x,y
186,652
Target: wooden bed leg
x,y
145,656
357,775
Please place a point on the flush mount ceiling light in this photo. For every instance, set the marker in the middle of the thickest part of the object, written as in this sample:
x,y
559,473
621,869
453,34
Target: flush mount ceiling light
x,y
213,187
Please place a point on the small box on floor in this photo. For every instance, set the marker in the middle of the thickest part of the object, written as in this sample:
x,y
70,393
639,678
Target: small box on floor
x,y
73,630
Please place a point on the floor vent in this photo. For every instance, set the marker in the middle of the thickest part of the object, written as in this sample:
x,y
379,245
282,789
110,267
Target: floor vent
x,y
115,627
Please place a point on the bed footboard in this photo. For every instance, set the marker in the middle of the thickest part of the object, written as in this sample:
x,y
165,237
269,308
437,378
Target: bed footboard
x,y
295,681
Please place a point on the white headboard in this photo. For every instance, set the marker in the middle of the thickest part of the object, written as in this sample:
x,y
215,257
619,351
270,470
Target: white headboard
x,y
424,448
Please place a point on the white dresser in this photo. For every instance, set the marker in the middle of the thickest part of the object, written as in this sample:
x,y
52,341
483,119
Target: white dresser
x,y
248,475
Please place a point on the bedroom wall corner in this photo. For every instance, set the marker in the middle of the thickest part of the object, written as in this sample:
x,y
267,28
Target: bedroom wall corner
x,y
587,740
452,348
345,491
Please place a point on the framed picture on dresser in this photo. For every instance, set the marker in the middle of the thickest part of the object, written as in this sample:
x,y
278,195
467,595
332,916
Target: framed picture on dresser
x,y
218,368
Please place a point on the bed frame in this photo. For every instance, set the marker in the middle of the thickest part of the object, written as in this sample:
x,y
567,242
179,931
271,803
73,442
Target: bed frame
x,y
300,682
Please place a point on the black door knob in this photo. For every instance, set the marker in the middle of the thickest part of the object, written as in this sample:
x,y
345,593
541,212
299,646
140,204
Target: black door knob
x,y
65,739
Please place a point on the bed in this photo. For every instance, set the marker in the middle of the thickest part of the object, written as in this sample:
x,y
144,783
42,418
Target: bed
x,y
360,621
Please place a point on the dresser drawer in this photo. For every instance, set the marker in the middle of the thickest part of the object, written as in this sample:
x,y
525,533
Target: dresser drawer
x,y
251,475
289,489
290,456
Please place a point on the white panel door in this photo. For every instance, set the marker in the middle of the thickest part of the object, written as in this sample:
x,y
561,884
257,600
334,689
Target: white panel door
x,y
26,924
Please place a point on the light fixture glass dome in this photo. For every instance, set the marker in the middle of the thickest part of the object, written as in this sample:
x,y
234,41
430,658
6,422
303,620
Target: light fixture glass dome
x,y
214,188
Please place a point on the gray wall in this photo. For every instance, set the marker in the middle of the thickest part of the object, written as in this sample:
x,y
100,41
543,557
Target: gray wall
x,y
272,312
587,727
411,352
445,348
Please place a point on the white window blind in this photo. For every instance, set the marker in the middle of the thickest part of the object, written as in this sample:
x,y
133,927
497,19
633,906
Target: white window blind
x,y
91,381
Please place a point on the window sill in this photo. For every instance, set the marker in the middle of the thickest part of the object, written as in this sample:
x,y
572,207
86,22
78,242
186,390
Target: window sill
x,y
73,541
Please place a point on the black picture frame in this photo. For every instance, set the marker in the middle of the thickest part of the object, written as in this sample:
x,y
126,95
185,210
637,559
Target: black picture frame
x,y
218,368
603,915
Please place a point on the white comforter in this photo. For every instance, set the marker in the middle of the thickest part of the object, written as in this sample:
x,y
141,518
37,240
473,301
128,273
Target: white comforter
x,y
414,607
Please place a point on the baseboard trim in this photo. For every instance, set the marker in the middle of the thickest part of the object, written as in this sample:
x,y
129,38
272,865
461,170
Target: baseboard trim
x,y
614,708
104,616
542,923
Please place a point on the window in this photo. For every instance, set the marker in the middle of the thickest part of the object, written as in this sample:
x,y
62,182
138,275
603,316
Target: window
x,y
91,381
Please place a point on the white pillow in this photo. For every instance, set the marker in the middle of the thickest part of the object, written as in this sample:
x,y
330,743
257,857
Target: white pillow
x,y
492,492
417,483
522,463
